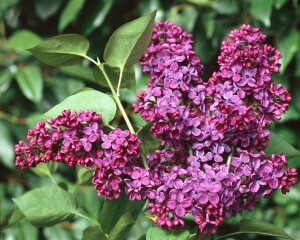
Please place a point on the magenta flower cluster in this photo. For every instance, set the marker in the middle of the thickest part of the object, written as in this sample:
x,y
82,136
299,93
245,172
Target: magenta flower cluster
x,y
78,139
213,134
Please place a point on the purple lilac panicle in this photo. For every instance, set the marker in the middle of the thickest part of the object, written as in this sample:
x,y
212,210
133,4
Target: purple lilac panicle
x,y
70,138
214,132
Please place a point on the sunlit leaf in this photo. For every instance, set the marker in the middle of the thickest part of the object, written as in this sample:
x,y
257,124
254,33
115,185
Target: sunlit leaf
x,y
262,10
47,206
69,13
86,99
30,81
128,43
62,50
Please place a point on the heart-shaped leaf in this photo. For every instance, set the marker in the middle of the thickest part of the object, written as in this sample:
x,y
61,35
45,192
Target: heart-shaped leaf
x,y
62,50
86,99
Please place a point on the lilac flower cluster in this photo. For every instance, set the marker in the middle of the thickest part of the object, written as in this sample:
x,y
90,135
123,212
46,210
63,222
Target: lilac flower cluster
x,y
214,133
78,139
211,164
70,138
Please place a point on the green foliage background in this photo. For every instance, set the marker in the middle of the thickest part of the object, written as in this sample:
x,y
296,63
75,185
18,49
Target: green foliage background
x,y
29,88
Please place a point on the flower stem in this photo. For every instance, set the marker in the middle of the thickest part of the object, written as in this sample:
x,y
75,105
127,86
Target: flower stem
x,y
115,95
230,157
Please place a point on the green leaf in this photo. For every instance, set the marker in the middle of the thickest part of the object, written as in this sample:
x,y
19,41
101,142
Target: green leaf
x,y
62,50
260,228
15,217
129,42
5,79
226,7
85,176
279,3
86,99
5,4
178,15
47,206
69,13
149,143
97,15
278,145
288,46
127,81
261,10
113,210
47,8
82,72
204,3
92,233
59,232
23,39
30,81
142,237
45,169
122,227
6,146
155,233
23,231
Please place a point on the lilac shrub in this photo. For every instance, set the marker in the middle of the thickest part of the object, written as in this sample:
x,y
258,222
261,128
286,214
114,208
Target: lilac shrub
x,y
213,133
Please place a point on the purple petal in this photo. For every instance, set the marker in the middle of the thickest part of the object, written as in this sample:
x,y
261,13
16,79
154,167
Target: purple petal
x,y
203,198
180,211
213,198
